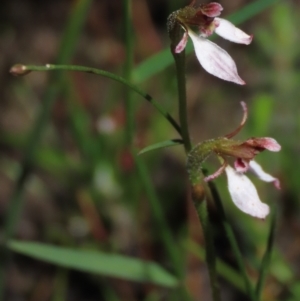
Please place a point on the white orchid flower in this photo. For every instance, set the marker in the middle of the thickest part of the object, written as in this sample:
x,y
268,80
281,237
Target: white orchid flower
x,y
212,58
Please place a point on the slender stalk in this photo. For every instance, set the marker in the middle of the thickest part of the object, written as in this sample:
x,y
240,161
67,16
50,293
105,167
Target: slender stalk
x,y
181,85
24,69
198,185
267,257
129,109
200,203
160,220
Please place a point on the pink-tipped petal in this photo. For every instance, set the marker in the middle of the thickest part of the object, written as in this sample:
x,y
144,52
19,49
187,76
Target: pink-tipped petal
x,y
255,168
212,9
244,194
181,45
215,60
228,31
268,143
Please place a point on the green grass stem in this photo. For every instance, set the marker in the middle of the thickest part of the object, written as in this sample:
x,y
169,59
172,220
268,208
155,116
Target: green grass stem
x,y
266,258
146,96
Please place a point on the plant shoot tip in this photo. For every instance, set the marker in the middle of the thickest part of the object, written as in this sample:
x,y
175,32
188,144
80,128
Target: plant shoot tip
x,y
18,70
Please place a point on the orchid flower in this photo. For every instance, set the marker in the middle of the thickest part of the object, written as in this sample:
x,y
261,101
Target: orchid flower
x,y
213,58
243,193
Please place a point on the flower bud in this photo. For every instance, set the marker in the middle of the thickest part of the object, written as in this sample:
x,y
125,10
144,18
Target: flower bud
x,y
18,70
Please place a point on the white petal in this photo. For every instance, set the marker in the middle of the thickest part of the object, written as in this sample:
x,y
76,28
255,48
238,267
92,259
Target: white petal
x,y
215,60
244,194
255,168
228,31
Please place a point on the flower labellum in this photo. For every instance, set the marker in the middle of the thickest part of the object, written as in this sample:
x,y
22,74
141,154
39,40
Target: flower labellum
x,y
244,195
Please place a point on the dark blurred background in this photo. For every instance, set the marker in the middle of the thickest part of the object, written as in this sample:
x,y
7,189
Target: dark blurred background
x,y
83,190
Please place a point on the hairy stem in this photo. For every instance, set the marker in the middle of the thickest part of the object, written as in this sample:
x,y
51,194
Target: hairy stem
x,y
198,185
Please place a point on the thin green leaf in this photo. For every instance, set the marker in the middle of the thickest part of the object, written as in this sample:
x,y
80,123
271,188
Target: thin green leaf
x,y
161,60
249,11
111,265
160,145
233,242
159,215
210,254
223,269
267,258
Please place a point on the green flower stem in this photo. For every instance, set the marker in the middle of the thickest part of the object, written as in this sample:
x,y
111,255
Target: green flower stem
x,y
180,73
200,202
198,187
24,69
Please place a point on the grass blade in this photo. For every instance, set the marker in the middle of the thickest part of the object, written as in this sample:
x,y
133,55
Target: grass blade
x,y
24,69
267,258
223,269
160,145
110,265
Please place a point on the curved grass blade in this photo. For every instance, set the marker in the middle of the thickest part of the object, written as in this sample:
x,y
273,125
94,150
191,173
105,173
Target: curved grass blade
x,y
267,258
19,69
161,60
110,265
233,242
223,269
159,145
